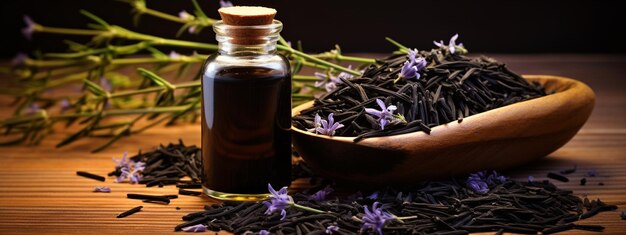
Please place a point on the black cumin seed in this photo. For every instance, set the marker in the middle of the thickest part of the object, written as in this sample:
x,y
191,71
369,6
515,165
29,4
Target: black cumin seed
x,y
189,192
558,177
129,212
90,175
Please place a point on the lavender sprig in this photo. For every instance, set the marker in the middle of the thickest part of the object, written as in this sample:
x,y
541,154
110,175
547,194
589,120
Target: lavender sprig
x,y
412,67
481,181
375,219
452,47
280,201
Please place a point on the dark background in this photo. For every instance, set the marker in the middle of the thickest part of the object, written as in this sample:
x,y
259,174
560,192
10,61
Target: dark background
x,y
485,26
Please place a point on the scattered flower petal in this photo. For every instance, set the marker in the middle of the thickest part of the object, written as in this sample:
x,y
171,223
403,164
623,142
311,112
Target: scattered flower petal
x,y
30,27
321,195
105,84
334,228
480,181
103,189
19,59
592,173
330,83
531,178
224,3
198,228
65,105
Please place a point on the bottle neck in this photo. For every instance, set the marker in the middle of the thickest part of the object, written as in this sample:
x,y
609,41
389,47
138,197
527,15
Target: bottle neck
x,y
247,40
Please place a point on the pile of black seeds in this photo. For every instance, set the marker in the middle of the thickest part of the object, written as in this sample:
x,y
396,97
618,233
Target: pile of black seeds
x,y
451,87
442,207
167,165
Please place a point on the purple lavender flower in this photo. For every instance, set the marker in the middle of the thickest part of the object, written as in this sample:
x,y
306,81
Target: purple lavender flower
x,y
30,27
133,176
531,178
376,218
385,115
480,181
103,189
33,108
198,228
278,201
174,55
325,127
122,163
226,3
412,67
478,186
321,195
19,59
330,83
592,173
65,105
332,229
373,196
184,15
452,46
105,84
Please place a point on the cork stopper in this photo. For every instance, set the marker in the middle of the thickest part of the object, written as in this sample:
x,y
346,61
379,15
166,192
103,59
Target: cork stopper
x,y
247,15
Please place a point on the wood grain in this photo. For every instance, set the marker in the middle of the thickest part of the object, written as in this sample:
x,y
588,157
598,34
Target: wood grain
x,y
40,193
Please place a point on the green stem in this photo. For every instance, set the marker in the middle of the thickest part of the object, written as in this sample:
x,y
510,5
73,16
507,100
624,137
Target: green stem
x,y
305,78
306,208
163,15
355,59
316,60
55,30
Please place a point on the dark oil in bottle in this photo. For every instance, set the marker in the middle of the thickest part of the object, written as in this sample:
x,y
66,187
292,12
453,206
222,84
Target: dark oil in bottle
x,y
246,139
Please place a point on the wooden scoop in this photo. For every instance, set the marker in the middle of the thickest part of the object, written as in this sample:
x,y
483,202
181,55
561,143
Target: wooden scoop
x,y
498,139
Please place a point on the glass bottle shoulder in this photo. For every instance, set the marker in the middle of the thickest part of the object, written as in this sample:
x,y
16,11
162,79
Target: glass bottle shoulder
x,y
216,63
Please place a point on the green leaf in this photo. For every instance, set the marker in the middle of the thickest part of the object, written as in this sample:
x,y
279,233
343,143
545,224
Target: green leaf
x,y
402,47
198,11
155,78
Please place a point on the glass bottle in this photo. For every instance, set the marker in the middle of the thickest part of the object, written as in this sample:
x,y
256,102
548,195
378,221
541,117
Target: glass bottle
x,y
246,114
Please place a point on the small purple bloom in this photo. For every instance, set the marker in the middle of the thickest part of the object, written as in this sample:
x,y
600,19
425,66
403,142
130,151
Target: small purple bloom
x,y
376,218
278,201
105,84
385,115
33,108
373,196
531,178
122,163
330,83
198,228
19,59
30,27
224,3
452,46
174,55
478,186
480,181
133,176
321,195
184,15
334,228
592,173
412,66
103,189
65,105
325,127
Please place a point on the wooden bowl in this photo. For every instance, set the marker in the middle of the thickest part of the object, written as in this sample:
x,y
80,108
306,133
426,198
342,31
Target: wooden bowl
x,y
498,139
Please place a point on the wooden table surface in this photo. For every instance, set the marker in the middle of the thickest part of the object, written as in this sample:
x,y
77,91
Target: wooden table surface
x,y
40,192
